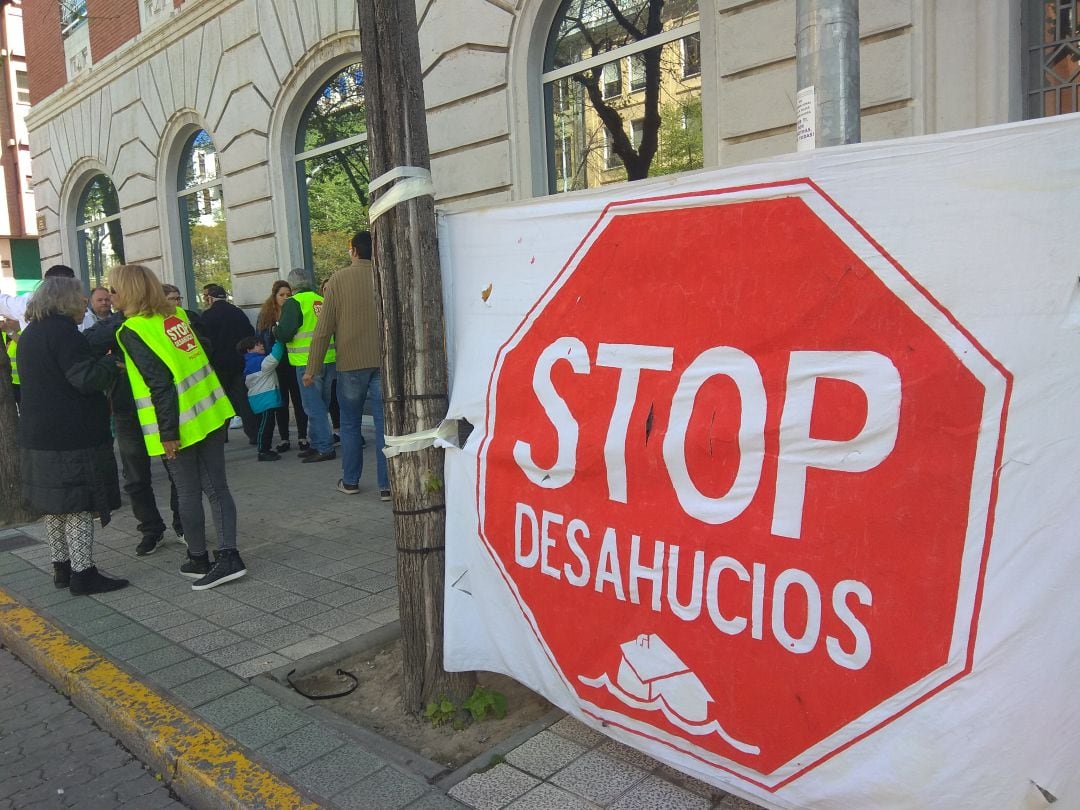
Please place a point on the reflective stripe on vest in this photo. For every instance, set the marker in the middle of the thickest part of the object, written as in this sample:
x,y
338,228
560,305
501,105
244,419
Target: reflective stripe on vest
x,y
203,405
11,346
300,344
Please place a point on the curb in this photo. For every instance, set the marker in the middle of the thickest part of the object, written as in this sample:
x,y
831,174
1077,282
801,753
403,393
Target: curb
x,y
205,768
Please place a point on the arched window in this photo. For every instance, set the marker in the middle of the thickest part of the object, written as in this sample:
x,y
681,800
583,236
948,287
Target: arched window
x,y
332,171
97,231
622,91
1053,68
202,215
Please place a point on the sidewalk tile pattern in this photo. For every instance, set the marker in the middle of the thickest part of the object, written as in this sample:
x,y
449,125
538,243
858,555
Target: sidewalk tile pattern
x,y
321,572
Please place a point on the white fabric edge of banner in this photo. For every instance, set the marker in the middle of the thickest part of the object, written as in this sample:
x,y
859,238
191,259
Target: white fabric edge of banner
x,y
445,436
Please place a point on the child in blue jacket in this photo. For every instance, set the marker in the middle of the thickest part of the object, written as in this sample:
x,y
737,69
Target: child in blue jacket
x,y
260,376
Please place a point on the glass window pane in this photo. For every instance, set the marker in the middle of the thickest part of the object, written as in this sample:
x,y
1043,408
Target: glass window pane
x,y
202,218
100,242
332,185
101,250
198,164
336,205
654,133
1053,56
98,201
337,111
587,28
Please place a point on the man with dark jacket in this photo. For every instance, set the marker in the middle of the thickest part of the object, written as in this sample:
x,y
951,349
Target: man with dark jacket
x,y
226,325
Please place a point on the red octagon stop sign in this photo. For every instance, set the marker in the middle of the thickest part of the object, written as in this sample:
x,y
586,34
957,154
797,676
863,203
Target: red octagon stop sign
x,y
738,472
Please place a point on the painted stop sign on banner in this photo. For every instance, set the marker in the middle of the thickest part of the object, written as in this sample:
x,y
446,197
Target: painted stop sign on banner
x,y
739,471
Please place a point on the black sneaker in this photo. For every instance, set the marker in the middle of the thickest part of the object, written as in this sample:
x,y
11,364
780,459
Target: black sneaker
x,y
148,545
317,457
384,494
197,565
337,439
304,445
268,455
284,447
227,567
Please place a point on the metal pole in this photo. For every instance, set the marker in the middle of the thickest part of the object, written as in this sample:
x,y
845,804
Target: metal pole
x,y
827,60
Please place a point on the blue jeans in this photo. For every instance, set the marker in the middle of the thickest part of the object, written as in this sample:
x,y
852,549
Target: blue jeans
x,y
353,387
316,401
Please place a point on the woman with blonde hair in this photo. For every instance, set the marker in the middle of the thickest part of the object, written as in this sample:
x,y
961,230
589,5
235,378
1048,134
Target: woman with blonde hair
x,y
182,409
68,467
287,383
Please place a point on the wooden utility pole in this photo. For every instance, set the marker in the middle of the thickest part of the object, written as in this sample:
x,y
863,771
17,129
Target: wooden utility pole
x,y
410,305
13,509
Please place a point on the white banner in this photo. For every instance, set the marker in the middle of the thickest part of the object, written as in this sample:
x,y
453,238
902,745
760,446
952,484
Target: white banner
x,y
773,468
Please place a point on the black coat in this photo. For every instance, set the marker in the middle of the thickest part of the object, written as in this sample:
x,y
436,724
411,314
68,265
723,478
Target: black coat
x,y
64,437
226,325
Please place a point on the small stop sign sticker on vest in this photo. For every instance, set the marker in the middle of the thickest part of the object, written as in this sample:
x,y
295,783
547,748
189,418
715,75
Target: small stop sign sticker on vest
x,y
738,471
179,332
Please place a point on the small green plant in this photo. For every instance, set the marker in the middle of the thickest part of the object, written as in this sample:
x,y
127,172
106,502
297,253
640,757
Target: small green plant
x,y
480,705
441,711
483,702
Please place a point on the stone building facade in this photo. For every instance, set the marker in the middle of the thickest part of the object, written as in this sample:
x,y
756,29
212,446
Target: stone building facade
x,y
245,72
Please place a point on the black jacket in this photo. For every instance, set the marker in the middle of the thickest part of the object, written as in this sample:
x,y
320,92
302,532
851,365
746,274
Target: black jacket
x,y
64,437
102,339
226,325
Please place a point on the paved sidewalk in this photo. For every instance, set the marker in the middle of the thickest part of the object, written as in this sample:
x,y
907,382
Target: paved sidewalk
x,y
321,571
52,755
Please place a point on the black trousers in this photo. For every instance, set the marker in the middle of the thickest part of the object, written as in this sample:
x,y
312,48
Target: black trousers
x,y
266,429
137,478
232,382
290,391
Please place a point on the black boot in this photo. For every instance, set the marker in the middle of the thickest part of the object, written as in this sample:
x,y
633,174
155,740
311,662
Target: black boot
x,y
61,573
227,567
84,583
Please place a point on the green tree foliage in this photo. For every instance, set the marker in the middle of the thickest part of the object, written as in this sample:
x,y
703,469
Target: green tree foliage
x,y
682,146
210,255
336,181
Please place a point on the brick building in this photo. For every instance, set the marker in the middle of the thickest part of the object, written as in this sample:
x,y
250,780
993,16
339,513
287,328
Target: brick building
x,y
224,139
19,261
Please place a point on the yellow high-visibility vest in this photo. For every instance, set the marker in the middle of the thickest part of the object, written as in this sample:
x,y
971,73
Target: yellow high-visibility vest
x,y
11,347
310,306
204,407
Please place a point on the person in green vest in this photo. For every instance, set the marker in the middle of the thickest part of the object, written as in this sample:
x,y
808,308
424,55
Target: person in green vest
x,y
183,412
295,329
11,342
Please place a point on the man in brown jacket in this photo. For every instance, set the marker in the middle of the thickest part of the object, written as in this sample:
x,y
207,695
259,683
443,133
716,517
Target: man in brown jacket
x,y
349,315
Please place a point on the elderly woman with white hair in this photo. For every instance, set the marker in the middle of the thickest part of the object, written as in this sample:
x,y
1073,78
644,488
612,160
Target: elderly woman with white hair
x,y
68,467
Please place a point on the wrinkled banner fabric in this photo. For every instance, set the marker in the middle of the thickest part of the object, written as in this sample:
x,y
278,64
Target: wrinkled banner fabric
x,y
773,469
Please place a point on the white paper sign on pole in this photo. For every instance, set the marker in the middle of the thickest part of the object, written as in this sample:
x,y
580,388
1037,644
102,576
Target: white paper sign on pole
x,y
805,119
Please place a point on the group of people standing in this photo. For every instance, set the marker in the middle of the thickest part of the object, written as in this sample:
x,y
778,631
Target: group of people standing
x,y
168,381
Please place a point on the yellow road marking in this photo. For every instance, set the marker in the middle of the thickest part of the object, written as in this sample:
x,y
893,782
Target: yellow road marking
x,y
189,749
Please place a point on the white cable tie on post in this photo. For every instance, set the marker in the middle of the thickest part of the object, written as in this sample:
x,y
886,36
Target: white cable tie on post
x,y
415,182
445,435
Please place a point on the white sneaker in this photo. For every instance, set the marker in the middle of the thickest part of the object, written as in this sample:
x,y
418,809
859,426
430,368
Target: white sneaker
x,y
236,422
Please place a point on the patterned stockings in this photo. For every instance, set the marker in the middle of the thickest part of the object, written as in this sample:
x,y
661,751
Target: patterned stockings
x,y
71,537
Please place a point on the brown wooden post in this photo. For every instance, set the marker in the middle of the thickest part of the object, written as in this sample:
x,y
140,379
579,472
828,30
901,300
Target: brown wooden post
x,y
13,509
410,305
